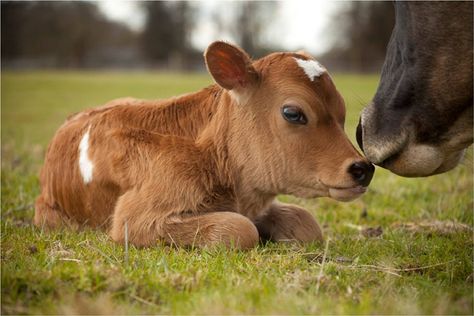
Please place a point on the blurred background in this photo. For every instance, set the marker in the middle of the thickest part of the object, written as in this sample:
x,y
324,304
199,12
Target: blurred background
x,y
172,35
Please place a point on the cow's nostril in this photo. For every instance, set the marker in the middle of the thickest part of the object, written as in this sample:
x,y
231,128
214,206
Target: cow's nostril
x,y
362,172
359,135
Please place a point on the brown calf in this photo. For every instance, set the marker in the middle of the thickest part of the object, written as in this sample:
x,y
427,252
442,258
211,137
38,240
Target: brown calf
x,y
205,168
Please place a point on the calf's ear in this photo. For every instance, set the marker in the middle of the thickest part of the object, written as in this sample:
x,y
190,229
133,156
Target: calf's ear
x,y
230,66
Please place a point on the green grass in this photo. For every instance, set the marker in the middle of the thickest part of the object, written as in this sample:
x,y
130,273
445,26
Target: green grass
x,y
399,272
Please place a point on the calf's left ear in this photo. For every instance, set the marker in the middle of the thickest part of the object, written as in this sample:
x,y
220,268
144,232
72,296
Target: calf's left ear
x,y
230,66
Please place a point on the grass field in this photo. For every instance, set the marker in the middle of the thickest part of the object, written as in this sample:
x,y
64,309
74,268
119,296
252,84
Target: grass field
x,y
418,262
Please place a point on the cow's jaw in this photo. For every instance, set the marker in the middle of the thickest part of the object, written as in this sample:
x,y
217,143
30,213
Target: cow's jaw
x,y
407,158
415,161
400,152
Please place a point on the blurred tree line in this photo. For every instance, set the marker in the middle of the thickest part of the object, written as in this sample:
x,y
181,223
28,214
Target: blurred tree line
x,y
167,33
60,34
75,34
361,33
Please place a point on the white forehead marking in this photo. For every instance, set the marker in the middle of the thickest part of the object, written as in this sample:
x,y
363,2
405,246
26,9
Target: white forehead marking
x,y
311,68
85,164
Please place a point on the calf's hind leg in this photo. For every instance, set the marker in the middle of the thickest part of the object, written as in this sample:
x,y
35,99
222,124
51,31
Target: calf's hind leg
x,y
47,216
147,224
284,222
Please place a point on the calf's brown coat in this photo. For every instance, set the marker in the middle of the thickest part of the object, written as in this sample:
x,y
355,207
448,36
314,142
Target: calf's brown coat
x,y
205,168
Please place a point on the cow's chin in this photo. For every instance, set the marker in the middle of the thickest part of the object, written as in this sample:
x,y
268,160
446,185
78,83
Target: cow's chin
x,y
422,161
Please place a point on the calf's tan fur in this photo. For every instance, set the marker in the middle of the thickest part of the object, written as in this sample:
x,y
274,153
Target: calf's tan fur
x,y
205,168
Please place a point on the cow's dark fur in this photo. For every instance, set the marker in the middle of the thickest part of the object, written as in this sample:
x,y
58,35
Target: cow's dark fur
x,y
420,120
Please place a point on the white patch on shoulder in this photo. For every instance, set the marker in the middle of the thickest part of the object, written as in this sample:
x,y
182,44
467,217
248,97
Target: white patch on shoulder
x,y
85,164
311,68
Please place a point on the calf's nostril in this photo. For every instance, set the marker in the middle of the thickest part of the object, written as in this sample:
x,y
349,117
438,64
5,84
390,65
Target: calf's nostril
x,y
362,172
357,172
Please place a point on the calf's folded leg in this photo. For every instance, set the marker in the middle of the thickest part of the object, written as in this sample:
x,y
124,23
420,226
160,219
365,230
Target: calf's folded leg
x,y
147,224
210,229
288,222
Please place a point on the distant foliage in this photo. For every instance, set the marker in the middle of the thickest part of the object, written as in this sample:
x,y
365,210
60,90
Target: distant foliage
x,y
59,34
75,34
247,25
168,26
361,30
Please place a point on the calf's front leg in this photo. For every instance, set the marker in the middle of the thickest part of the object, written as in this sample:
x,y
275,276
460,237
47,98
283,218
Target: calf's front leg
x,y
283,222
211,229
147,225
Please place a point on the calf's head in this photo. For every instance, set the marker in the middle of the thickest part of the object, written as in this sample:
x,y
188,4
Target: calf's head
x,y
286,125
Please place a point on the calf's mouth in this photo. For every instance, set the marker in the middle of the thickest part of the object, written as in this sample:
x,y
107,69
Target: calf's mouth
x,y
347,193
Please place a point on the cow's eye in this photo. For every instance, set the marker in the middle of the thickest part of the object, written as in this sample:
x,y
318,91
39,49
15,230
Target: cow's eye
x,y
293,114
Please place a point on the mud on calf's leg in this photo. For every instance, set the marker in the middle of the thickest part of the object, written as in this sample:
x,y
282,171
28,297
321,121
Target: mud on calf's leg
x,y
284,222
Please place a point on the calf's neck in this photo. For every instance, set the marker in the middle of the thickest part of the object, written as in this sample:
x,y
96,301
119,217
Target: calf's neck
x,y
204,168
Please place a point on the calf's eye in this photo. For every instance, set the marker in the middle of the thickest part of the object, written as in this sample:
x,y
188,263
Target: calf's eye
x,y
293,114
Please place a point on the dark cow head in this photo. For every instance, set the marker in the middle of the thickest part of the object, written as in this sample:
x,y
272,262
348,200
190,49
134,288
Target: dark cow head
x,y
420,121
